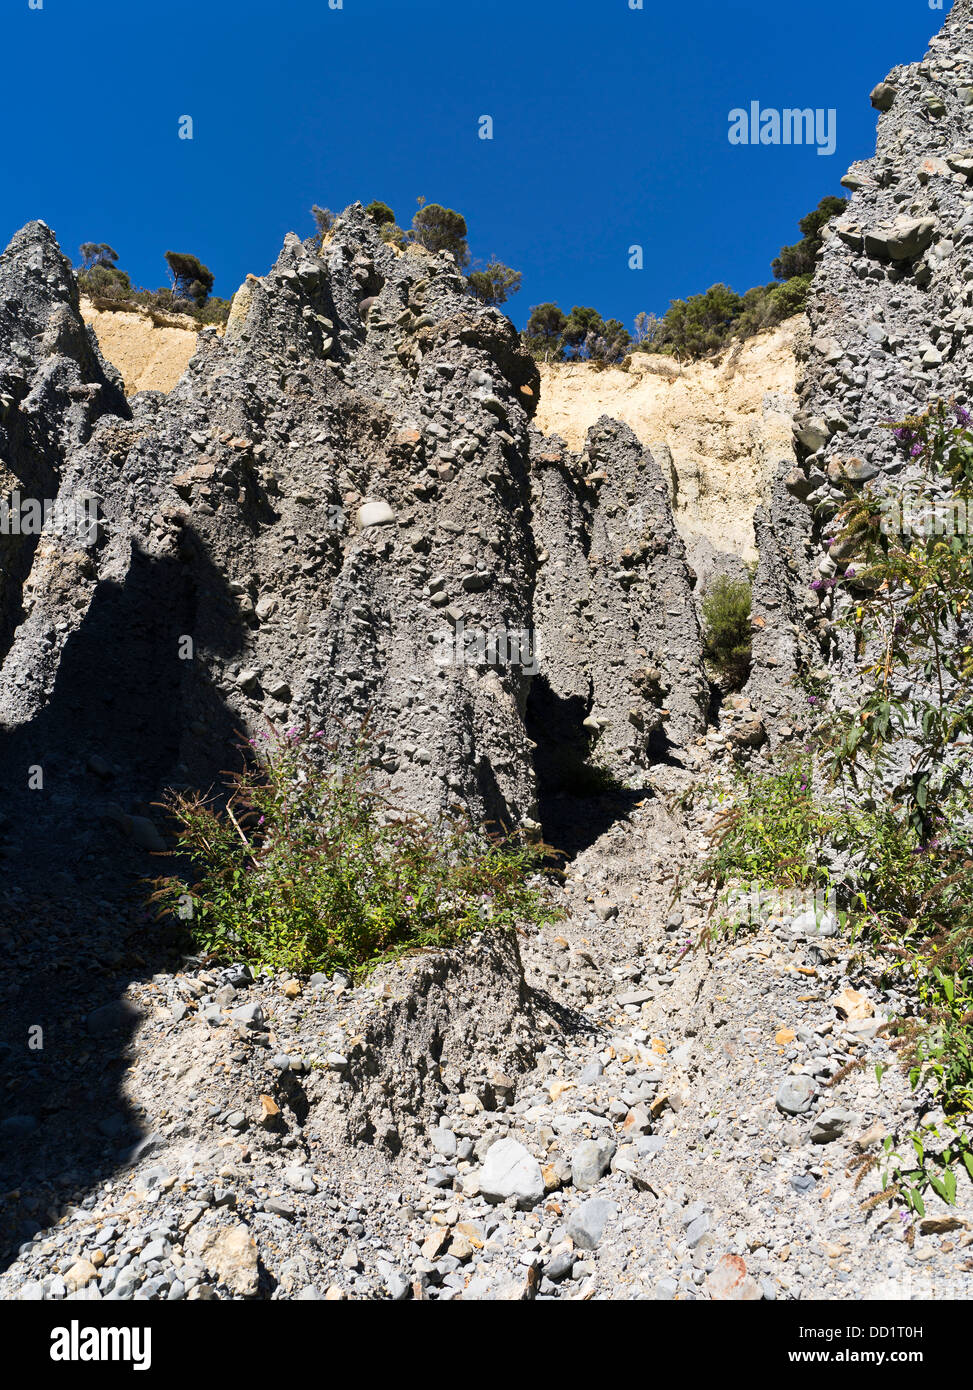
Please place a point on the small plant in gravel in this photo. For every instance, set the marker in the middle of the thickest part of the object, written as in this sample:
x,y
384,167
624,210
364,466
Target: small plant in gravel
x,y
307,866
771,834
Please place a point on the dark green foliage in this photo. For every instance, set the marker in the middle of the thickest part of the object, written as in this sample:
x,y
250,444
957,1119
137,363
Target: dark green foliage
x,y
758,312
97,253
649,332
191,279
726,626
163,301
104,281
215,310
380,213
800,258
703,323
584,335
310,868
790,297
612,343
544,334
441,229
583,325
496,283
393,235
767,305
99,276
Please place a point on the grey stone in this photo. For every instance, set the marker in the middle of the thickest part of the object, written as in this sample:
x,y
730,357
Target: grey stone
x,y
559,1266
18,1126
795,1094
249,1016
903,240
586,1226
375,514
444,1142
590,1160
300,1180
832,1124
815,924
511,1171
697,1229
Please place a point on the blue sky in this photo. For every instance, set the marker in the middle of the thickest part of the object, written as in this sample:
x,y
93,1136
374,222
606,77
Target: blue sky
x,y
610,128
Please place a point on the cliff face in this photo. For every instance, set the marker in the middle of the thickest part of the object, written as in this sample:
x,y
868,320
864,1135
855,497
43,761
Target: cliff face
x,y
54,386
345,507
150,353
334,514
718,428
613,603
343,510
891,328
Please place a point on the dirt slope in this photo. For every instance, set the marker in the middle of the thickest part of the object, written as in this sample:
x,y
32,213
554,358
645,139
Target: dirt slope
x,y
718,428
150,356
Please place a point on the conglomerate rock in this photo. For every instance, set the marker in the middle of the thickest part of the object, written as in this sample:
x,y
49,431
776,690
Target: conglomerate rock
x,y
334,516
54,385
891,328
621,655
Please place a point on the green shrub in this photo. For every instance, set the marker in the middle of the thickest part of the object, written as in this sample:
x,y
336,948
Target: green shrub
x,y
790,298
496,283
900,814
215,310
765,306
726,626
584,336
393,235
310,868
323,221
544,335
799,260
101,279
380,213
105,282
441,229
97,253
772,835
191,279
703,322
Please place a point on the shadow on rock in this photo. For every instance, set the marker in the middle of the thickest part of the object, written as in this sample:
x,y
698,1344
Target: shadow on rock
x,y
80,838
